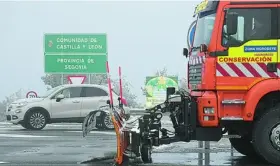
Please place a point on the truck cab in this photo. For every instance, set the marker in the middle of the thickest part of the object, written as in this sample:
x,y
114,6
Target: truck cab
x,y
233,73
233,77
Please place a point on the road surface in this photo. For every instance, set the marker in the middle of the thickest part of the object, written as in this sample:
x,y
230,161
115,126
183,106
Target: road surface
x,y
63,144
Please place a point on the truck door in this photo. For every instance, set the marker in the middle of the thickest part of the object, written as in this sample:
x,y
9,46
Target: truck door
x,y
252,50
261,50
278,23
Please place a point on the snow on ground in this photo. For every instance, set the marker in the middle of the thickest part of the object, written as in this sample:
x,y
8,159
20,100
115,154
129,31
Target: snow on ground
x,y
184,146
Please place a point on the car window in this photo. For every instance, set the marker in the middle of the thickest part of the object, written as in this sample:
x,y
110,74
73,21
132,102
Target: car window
x,y
72,92
94,92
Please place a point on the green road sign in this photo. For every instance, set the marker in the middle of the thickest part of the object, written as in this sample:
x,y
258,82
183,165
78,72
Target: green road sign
x,y
75,43
156,89
75,64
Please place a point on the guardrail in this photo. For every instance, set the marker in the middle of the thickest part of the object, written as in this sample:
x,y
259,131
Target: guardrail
x,y
137,111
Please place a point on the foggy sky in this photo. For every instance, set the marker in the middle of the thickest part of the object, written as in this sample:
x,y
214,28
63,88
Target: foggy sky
x,y
142,37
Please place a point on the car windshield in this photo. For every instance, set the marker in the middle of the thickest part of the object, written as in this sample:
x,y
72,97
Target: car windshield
x,y
204,28
49,92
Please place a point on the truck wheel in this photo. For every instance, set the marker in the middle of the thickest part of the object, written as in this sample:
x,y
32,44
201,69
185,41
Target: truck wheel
x,y
36,120
146,154
266,135
107,122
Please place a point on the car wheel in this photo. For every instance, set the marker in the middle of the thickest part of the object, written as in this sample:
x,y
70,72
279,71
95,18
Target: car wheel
x,y
36,120
107,122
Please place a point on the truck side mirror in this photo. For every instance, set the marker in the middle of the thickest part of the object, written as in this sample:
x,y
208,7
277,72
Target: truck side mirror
x,y
186,52
231,22
203,48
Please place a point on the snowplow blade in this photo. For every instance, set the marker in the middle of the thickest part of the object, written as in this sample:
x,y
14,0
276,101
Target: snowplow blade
x,y
125,134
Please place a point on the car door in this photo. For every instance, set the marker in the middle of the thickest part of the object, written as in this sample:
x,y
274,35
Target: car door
x,y
69,106
93,99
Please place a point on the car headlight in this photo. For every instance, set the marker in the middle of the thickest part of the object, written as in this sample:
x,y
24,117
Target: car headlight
x,y
21,104
208,110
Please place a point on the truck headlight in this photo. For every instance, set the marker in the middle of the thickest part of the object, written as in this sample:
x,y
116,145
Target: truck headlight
x,y
208,110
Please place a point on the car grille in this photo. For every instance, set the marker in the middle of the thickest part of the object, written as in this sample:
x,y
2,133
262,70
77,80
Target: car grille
x,y
8,117
195,72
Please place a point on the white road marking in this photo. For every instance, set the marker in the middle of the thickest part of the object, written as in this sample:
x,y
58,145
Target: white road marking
x,y
2,162
23,136
64,125
94,132
5,123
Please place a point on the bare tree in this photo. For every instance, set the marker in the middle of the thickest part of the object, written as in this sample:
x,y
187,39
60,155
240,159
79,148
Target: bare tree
x,y
8,100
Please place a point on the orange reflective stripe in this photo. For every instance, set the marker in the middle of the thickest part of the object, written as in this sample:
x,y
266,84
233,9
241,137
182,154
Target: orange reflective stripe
x,y
119,157
232,88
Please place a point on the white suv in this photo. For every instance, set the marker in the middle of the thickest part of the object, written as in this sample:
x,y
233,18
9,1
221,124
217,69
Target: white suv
x,y
65,103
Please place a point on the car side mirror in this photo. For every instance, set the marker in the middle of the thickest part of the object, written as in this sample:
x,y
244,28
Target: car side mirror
x,y
59,97
231,22
186,52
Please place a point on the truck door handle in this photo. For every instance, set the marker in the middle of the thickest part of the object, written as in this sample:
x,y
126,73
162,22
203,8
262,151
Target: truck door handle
x,y
76,101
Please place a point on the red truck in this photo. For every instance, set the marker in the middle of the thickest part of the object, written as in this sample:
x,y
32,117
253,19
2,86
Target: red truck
x,y
233,75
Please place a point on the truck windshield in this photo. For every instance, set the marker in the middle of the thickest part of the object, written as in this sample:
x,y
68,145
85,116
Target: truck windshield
x,y
204,28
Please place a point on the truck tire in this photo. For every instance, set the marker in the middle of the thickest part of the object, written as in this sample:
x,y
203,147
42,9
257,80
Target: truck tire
x,y
266,133
146,154
36,120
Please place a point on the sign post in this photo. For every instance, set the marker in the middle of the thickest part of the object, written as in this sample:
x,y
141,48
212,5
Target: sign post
x,y
76,79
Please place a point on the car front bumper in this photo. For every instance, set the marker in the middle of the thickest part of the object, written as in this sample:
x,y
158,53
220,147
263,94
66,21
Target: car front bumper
x,y
13,117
